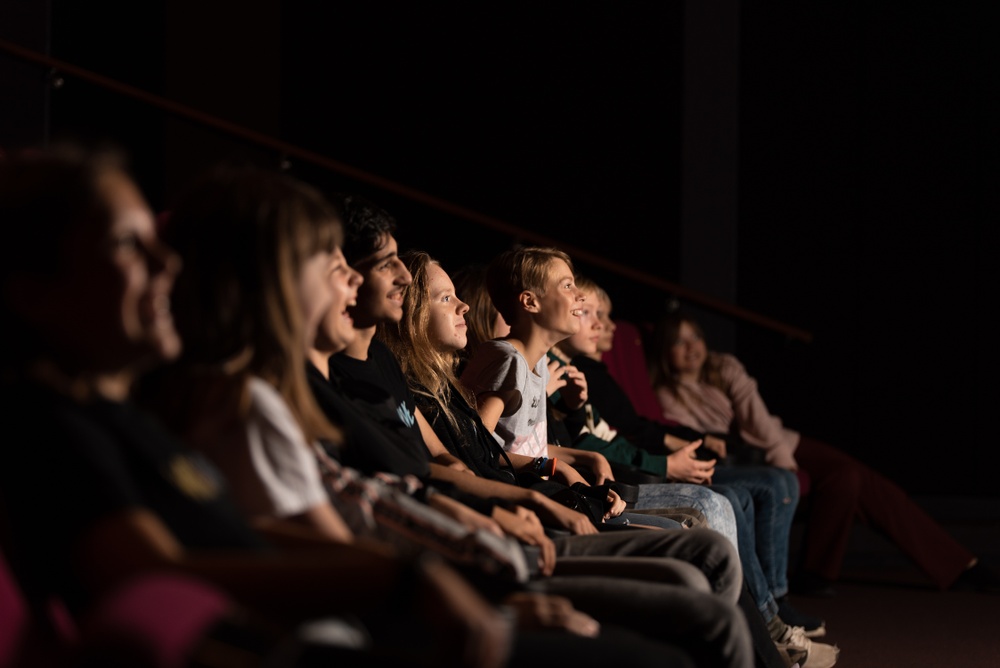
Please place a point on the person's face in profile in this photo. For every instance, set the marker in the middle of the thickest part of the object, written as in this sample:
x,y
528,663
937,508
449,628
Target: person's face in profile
x,y
108,306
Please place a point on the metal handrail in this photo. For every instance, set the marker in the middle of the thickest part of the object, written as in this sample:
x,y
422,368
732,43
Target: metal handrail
x,y
290,150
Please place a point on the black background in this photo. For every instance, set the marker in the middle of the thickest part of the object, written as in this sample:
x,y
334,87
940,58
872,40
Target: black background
x,y
868,170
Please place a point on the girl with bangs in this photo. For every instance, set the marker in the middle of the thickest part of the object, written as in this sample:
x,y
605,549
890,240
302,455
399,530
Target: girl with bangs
x,y
256,248
87,286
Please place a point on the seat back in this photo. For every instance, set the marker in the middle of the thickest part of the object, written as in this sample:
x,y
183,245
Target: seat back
x,y
14,616
626,362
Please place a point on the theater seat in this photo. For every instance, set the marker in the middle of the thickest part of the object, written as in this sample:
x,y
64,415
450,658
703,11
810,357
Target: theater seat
x,y
156,621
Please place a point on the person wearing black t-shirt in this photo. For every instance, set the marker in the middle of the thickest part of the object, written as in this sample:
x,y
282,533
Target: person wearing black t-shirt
x,y
93,492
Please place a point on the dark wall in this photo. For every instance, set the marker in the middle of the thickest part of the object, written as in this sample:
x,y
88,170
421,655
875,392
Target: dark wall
x,y
867,182
868,215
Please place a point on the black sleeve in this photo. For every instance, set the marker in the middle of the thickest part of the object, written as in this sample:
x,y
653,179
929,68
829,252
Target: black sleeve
x,y
610,399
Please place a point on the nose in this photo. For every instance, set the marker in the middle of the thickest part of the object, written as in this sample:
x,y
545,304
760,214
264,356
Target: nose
x,y
403,276
463,308
356,278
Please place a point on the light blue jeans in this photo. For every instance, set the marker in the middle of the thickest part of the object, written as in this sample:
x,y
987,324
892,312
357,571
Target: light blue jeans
x,y
715,507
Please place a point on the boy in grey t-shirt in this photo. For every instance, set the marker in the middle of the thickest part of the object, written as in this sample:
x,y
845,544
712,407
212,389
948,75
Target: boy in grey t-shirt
x,y
535,291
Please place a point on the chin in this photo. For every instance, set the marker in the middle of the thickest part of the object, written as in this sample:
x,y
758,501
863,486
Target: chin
x,y
169,349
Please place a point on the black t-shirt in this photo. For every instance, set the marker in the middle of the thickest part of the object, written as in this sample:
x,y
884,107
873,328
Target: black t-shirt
x,y
380,370
378,386
69,465
376,440
468,439
610,399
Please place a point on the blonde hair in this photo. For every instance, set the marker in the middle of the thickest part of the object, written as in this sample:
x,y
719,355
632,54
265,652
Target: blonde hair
x,y
516,270
429,372
586,284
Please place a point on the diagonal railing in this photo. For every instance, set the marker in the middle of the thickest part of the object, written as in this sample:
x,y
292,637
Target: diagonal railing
x,y
173,108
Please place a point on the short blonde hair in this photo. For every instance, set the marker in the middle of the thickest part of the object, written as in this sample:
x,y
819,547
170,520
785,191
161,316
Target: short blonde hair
x,y
586,284
514,271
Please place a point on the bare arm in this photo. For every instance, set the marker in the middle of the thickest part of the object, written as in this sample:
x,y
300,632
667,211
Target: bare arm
x,y
594,461
551,512
490,407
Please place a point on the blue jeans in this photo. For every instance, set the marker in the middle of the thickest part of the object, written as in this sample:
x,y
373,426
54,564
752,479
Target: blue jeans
x,y
716,509
768,513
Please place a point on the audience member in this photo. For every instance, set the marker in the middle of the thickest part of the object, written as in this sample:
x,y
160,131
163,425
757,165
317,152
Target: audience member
x,y
713,393
86,298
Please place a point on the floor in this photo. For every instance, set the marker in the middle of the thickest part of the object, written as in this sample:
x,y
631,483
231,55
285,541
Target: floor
x,y
885,615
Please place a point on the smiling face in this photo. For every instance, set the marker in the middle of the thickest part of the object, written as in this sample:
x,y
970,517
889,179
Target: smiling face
x,y
109,307
559,307
603,312
336,328
314,293
446,326
585,341
380,297
688,352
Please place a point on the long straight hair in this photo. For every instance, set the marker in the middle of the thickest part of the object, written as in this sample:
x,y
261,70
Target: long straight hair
x,y
244,236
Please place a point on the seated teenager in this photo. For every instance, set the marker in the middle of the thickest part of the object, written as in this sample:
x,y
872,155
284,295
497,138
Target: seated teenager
x,y
426,340
712,392
535,292
86,286
485,324
764,556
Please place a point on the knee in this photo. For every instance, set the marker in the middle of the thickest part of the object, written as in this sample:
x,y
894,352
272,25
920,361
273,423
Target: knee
x,y
785,485
843,480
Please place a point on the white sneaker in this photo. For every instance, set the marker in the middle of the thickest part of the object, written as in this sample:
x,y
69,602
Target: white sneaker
x,y
795,647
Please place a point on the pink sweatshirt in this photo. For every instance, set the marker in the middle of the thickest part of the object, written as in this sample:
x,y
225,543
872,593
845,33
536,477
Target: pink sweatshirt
x,y
707,408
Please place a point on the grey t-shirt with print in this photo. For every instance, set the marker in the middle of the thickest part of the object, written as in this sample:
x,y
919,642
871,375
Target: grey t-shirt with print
x,y
498,367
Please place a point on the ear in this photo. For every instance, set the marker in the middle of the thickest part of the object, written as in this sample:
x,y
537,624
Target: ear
x,y
529,301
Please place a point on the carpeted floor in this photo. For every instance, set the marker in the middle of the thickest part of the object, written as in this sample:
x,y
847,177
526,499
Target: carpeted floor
x,y
890,626
885,615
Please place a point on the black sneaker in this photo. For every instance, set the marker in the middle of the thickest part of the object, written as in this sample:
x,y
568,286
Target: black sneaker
x,y
812,627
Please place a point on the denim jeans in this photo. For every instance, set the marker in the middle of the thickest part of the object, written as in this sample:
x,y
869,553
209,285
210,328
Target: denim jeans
x,y
768,513
716,509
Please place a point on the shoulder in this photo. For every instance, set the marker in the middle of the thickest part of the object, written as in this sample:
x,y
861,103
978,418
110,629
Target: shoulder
x,y
728,365
266,403
270,422
492,358
496,348
380,355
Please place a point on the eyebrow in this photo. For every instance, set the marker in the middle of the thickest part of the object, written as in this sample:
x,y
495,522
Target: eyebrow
x,y
375,258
